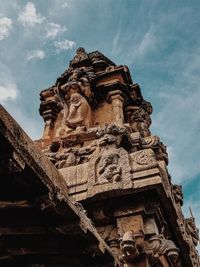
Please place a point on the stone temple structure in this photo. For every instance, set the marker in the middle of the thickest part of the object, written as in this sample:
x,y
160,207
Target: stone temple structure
x,y
94,190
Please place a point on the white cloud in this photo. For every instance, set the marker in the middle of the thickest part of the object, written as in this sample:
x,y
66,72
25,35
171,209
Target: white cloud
x,y
29,15
64,3
8,92
64,45
60,6
5,27
36,54
8,87
53,29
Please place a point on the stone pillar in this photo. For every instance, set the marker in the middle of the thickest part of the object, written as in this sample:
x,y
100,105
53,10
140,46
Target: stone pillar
x,y
116,100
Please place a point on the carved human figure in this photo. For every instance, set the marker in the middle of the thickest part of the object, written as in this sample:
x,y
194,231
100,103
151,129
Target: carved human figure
x,y
80,55
139,118
132,245
76,94
108,168
79,112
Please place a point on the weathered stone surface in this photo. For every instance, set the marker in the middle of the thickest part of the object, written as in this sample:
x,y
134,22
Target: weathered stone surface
x,y
107,153
38,220
110,167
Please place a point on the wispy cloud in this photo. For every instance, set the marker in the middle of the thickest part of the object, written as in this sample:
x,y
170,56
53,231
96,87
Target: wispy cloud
x,y
143,46
8,92
5,27
65,4
64,45
8,87
147,43
59,6
29,15
54,29
36,54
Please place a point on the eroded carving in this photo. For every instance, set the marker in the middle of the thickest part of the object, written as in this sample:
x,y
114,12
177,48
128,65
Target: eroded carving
x,y
178,194
108,169
132,245
102,161
192,230
159,246
81,56
143,159
139,118
77,96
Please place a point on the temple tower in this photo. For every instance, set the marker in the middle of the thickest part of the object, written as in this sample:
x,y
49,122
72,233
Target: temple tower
x,y
97,135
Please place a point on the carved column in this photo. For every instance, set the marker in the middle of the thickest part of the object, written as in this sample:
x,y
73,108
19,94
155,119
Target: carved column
x,y
116,100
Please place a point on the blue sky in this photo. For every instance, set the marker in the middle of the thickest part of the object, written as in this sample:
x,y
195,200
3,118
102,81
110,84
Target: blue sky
x,y
158,40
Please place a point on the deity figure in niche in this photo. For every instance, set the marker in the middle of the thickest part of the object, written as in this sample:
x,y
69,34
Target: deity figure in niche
x,y
76,95
109,170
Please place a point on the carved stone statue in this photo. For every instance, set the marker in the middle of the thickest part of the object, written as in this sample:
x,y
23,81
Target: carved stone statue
x,y
139,118
76,95
131,246
192,230
81,55
78,108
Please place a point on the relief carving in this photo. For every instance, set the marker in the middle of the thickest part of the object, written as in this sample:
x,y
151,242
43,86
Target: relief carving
x,y
66,157
77,96
113,161
107,165
51,151
132,246
178,194
78,108
150,141
143,159
158,246
192,230
108,169
139,118
81,56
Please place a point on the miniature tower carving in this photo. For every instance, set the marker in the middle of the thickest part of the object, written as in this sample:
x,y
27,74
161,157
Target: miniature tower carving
x,y
97,134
